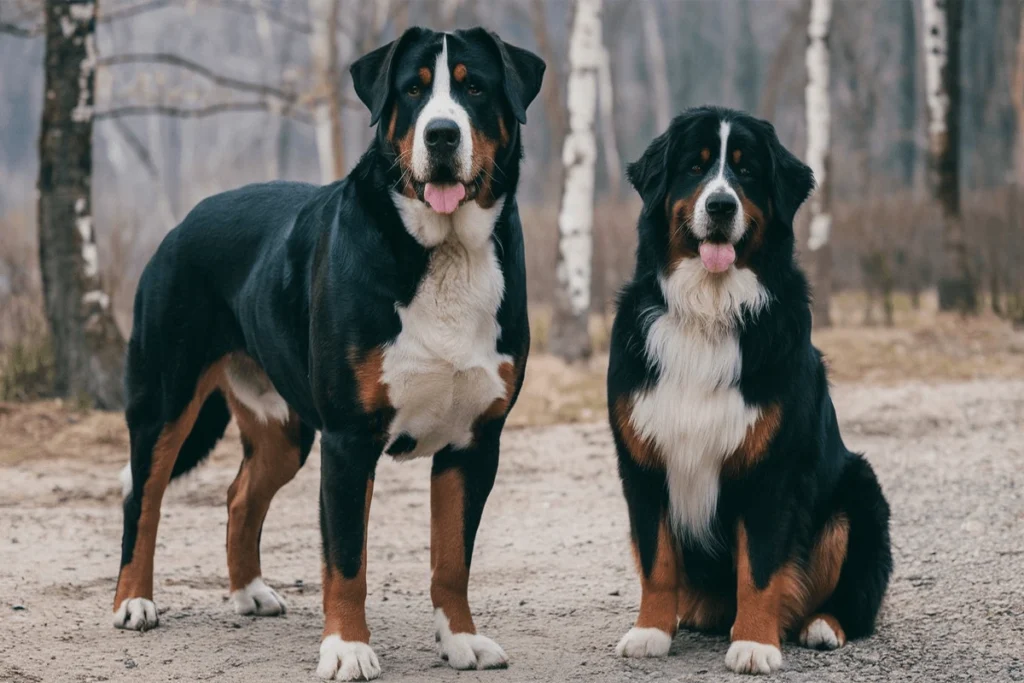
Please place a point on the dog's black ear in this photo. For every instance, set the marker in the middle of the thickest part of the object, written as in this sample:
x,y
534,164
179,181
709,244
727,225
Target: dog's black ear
x,y
649,174
792,179
371,74
523,74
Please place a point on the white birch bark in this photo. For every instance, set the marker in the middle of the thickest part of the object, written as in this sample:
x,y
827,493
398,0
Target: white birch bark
x,y
819,120
936,55
587,57
326,118
657,73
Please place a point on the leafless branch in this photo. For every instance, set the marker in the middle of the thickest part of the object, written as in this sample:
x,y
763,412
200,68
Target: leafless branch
x,y
197,112
200,70
136,145
21,31
242,6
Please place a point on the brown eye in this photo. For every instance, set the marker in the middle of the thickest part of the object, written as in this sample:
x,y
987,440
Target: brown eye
x,y
473,89
413,91
696,169
744,171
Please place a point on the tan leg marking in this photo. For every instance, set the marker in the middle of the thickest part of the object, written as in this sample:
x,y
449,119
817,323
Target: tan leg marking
x,y
642,450
703,611
368,369
826,561
763,615
449,575
272,459
659,591
345,599
510,374
135,579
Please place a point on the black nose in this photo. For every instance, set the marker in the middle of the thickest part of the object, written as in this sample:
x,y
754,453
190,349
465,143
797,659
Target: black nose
x,y
721,205
442,135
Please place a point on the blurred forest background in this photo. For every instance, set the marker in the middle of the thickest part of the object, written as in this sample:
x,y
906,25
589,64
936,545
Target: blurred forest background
x,y
193,97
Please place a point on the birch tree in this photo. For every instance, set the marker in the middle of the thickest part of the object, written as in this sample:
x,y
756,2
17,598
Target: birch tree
x,y
942,20
1017,96
657,72
323,47
88,348
819,130
570,338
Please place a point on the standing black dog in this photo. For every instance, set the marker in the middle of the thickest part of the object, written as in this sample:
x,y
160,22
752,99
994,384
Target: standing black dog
x,y
746,509
386,311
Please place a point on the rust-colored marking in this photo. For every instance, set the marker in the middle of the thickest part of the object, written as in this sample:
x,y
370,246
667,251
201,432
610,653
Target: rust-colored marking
x,y
392,123
460,72
832,622
703,611
826,561
755,444
705,155
737,154
764,615
485,151
680,214
344,598
509,373
659,590
368,370
449,572
503,131
756,224
273,461
135,579
425,76
643,450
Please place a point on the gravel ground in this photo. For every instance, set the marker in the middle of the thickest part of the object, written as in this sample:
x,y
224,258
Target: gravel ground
x,y
553,578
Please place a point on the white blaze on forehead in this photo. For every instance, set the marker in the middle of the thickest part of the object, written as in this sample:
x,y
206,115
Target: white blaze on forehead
x,y
701,220
441,105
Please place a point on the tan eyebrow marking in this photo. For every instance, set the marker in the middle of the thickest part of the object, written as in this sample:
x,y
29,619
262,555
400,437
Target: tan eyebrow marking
x,y
705,154
425,75
737,154
460,72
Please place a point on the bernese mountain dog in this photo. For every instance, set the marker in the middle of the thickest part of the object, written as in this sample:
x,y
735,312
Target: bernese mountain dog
x,y
748,514
386,311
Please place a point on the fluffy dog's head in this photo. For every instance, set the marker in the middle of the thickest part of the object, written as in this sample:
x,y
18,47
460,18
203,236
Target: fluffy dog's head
x,y
448,108
718,186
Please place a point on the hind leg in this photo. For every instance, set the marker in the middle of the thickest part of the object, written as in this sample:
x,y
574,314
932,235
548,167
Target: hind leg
x,y
273,452
821,630
155,444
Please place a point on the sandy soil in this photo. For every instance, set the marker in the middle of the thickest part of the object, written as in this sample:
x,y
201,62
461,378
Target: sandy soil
x,y
553,580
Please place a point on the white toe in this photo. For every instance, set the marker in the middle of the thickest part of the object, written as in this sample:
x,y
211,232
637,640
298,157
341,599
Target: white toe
x,y
819,635
136,614
644,642
344,661
748,657
260,599
466,650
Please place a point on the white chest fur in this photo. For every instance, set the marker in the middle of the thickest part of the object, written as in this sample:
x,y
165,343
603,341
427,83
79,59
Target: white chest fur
x,y
695,414
441,371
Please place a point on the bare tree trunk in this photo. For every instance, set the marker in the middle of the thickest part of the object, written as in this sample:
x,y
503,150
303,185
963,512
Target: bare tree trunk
x,y
570,338
606,99
323,46
819,145
657,72
1017,96
942,21
554,102
88,347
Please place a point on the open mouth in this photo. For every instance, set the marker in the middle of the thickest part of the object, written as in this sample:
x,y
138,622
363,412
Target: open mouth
x,y
717,257
445,197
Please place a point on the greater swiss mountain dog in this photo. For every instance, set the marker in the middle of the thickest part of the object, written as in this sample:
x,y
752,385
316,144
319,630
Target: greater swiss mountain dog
x,y
386,311
746,510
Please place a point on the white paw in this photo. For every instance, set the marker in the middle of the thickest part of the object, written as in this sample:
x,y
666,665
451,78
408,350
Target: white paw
x,y
748,657
136,614
260,599
644,642
820,636
466,650
342,661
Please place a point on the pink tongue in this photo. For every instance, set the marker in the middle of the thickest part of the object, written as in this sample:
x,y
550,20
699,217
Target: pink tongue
x,y
444,198
717,257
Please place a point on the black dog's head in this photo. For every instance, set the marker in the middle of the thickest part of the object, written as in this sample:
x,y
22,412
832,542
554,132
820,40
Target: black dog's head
x,y
719,185
448,107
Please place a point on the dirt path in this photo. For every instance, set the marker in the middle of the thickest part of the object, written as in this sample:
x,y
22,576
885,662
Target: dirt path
x,y
553,580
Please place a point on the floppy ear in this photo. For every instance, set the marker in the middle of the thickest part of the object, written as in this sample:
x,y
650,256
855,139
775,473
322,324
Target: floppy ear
x,y
523,75
792,179
371,74
649,173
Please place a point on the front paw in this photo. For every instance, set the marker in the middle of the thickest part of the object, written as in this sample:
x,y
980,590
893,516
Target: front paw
x,y
466,650
259,599
136,614
644,642
748,657
347,661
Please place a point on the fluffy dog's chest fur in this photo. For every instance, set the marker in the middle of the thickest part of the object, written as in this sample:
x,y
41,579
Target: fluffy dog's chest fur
x,y
695,414
442,370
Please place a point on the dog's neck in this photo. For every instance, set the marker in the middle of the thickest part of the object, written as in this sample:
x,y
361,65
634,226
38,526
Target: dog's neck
x,y
470,225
